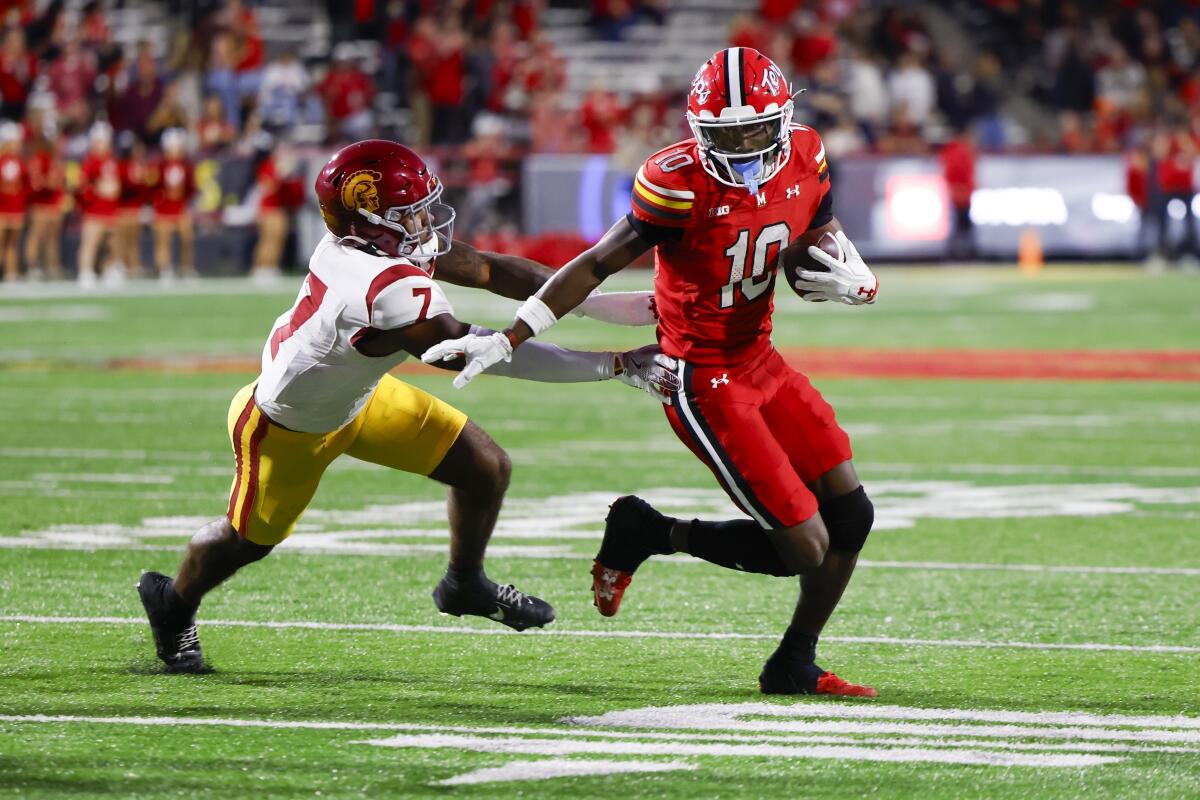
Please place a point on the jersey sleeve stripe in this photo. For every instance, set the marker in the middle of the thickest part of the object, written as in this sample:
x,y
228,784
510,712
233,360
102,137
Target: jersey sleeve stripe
x,y
647,194
819,157
658,215
677,194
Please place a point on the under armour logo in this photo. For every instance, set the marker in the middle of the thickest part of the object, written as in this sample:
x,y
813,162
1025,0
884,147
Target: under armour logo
x,y
868,292
718,381
793,191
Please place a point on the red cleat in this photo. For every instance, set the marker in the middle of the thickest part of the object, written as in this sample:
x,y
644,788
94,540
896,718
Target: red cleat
x,y
832,684
608,587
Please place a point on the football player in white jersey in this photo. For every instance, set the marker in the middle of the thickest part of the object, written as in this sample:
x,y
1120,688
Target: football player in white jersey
x,y
369,301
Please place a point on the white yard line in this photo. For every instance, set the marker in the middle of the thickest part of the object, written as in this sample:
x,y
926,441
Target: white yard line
x,y
526,551
956,566
561,747
618,634
1097,470
105,454
462,737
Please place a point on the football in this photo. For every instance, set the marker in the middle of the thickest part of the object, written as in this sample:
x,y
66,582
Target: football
x,y
796,257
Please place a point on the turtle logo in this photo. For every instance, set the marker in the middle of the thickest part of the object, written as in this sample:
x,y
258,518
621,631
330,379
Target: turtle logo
x,y
700,88
358,190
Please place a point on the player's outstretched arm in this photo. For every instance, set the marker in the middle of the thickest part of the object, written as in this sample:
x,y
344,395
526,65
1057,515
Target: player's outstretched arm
x,y
517,278
582,275
498,273
562,293
848,280
452,342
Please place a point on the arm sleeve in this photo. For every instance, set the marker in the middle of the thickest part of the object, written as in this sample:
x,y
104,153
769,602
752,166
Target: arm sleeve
x,y
549,363
619,308
410,299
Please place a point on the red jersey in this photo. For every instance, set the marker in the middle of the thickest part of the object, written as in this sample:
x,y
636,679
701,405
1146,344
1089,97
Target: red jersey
x,y
46,179
14,185
174,187
135,184
714,272
100,187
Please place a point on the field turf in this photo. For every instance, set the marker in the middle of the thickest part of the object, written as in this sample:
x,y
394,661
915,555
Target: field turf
x,y
1027,606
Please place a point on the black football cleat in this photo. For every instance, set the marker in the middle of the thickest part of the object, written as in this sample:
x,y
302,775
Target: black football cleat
x,y
787,675
630,527
481,597
176,640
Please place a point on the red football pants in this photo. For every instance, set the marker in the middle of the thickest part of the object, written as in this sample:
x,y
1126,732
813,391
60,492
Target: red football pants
x,y
763,430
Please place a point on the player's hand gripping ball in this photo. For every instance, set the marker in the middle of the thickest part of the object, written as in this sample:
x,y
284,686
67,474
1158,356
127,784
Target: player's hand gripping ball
x,y
830,269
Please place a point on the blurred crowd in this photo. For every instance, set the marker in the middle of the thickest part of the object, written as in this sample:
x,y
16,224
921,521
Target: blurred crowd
x,y
95,130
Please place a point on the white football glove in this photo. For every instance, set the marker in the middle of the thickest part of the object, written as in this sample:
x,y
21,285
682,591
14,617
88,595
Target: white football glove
x,y
649,369
849,281
480,352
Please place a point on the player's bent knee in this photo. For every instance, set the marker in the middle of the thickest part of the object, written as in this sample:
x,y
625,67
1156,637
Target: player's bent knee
x,y
848,518
802,548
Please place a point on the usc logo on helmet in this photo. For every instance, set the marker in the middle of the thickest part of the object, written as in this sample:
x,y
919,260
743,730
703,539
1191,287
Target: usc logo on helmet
x,y
359,191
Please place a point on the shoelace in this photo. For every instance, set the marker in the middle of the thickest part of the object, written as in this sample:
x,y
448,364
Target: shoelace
x,y
510,595
189,639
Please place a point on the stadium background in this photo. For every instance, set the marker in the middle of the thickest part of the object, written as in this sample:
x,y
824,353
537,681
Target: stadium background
x,y
1030,128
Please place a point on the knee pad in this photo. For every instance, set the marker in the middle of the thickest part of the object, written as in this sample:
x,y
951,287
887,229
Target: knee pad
x,y
848,518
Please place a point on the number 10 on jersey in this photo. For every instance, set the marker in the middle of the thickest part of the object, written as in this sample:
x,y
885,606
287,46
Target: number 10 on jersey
x,y
769,241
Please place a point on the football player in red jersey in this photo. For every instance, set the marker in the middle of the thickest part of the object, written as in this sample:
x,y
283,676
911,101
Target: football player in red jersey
x,y
718,209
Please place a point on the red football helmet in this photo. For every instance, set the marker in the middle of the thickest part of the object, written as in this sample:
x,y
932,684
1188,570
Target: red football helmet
x,y
740,110
384,195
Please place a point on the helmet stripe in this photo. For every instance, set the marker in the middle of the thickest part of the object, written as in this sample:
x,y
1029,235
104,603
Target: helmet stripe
x,y
733,77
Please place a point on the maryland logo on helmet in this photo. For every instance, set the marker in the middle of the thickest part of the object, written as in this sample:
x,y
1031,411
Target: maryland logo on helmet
x,y
359,191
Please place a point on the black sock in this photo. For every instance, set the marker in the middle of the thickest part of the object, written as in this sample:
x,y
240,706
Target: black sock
x,y
737,544
658,535
465,574
799,645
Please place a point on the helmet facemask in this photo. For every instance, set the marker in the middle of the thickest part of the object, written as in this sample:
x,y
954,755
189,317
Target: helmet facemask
x,y
743,150
425,228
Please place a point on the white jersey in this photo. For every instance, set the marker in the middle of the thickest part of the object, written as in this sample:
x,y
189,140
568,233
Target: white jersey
x,y
313,379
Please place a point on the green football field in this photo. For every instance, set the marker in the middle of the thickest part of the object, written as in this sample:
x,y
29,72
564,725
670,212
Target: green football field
x,y
1027,605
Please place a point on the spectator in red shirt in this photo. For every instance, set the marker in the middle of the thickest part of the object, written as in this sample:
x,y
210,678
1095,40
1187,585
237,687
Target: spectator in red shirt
x,y
506,53
174,187
71,79
213,129
137,95
1137,186
958,170
18,68
99,193
1175,152
135,194
347,92
14,193
816,42
601,115
47,185
445,74
279,193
